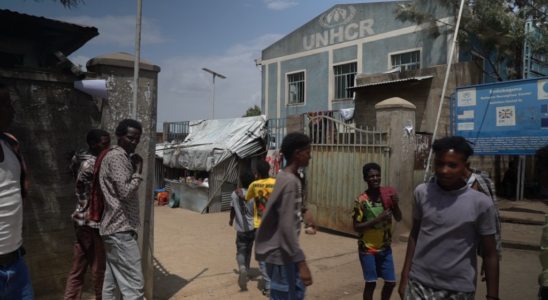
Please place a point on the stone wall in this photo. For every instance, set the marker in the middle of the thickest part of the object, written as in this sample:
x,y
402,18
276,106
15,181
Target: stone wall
x,y
52,119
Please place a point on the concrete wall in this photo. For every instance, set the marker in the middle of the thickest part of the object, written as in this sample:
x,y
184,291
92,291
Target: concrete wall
x,y
119,78
425,94
52,119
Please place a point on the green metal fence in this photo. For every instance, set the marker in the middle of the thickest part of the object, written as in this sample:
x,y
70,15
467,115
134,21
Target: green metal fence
x,y
335,177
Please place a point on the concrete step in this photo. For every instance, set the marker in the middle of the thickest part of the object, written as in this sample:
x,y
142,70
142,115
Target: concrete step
x,y
521,217
514,236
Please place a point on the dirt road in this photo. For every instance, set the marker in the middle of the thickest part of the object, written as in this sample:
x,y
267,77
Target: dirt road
x,y
195,258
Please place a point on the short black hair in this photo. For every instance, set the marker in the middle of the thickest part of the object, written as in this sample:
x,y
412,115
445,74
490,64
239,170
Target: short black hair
x,y
247,177
455,143
293,142
541,157
370,166
122,127
95,135
263,168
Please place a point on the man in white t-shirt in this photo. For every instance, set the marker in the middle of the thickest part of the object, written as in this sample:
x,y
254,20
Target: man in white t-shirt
x,y
15,283
243,212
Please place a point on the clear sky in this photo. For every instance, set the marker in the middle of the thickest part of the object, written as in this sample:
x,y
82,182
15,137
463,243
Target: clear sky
x,y
184,36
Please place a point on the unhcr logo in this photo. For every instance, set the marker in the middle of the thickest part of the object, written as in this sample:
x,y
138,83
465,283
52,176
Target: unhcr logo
x,y
338,16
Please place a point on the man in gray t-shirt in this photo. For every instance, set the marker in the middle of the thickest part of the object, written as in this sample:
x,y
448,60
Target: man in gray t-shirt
x,y
243,212
451,220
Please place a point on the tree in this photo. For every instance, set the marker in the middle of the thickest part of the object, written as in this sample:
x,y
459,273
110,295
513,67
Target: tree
x,y
67,3
494,29
252,112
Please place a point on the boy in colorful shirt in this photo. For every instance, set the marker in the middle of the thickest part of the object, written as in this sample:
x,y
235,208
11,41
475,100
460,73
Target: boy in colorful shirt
x,y
372,219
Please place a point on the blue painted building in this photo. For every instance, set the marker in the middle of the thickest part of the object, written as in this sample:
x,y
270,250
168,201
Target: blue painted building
x,y
310,69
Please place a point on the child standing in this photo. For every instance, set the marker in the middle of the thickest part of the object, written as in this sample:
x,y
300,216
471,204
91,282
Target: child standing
x,y
243,212
277,240
372,219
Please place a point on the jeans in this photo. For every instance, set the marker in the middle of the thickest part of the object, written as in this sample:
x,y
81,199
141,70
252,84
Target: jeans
x,y
286,282
88,251
262,266
123,267
244,248
15,281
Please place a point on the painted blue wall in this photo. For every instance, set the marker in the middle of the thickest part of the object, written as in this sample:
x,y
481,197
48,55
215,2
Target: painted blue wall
x,y
345,19
375,54
345,54
316,81
272,90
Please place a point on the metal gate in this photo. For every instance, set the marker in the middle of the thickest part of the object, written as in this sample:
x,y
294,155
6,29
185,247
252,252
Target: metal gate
x,y
335,177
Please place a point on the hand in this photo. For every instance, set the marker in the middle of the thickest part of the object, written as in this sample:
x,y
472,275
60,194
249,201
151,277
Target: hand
x,y
306,276
482,272
401,289
231,222
385,215
137,162
395,199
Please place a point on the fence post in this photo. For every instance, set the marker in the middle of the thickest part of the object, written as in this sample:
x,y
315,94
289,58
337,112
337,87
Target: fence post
x,y
398,115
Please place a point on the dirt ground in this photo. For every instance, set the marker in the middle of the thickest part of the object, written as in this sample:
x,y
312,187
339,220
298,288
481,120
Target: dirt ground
x,y
195,258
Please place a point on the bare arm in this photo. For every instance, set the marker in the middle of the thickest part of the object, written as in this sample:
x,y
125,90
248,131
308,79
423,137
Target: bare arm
x,y
362,226
397,210
491,261
232,216
411,243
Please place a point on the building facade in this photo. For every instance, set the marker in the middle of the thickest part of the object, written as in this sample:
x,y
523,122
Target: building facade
x,y
310,69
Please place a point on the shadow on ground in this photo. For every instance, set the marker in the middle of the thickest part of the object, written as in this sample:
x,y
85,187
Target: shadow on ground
x,y
167,284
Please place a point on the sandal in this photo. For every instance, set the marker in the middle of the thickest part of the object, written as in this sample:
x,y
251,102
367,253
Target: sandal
x,y
266,293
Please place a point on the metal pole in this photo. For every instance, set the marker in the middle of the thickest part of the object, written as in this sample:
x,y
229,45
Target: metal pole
x,y
137,58
213,100
518,184
522,177
449,62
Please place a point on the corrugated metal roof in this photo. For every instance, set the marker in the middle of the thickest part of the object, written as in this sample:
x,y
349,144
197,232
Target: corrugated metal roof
x,y
416,78
211,142
66,37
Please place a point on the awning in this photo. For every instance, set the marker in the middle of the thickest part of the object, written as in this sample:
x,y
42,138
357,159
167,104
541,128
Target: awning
x,y
416,78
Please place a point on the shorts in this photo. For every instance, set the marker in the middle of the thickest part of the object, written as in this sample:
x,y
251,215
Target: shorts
x,y
286,283
415,290
378,265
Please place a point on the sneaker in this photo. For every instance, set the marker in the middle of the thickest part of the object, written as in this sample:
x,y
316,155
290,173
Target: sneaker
x,y
242,279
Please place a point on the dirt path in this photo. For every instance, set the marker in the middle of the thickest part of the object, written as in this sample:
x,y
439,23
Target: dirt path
x,y
195,258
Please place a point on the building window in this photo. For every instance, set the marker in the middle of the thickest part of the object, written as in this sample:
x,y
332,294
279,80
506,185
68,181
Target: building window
x,y
296,86
407,61
344,78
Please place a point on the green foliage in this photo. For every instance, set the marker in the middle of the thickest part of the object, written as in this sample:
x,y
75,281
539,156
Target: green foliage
x,y
252,112
494,29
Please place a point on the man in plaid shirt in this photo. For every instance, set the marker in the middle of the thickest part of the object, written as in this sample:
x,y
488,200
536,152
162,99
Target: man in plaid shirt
x,y
88,248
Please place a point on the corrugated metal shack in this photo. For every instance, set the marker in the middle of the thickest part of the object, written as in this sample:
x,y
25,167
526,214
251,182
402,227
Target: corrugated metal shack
x,y
223,148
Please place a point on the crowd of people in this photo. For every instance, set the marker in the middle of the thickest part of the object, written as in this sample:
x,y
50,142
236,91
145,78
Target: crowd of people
x,y
455,220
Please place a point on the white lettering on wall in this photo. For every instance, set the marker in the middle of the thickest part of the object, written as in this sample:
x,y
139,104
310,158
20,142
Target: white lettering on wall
x,y
338,35
347,35
323,39
365,26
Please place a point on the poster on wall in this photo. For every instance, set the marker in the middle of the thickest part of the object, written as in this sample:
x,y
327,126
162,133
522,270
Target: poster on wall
x,y
274,158
507,118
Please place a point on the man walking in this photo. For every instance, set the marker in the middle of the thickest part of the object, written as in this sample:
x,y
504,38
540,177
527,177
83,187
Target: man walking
x,y
88,248
119,178
277,241
450,221
15,283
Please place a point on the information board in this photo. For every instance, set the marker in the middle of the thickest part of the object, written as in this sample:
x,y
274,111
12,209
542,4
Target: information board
x,y
506,118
